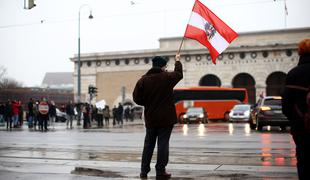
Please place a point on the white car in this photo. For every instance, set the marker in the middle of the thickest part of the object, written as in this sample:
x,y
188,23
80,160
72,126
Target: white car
x,y
60,116
240,112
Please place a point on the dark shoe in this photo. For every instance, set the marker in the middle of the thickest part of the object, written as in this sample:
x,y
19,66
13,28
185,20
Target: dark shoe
x,y
164,175
143,176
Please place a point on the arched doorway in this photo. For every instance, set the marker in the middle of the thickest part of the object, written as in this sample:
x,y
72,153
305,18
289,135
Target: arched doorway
x,y
244,80
275,83
210,80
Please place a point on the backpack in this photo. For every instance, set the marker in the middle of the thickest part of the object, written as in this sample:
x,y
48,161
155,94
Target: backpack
x,y
304,116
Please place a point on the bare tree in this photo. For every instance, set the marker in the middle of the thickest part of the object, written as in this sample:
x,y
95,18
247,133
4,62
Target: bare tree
x,y
6,82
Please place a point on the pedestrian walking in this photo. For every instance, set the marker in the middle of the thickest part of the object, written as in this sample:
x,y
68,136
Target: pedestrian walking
x,y
100,117
15,113
127,113
119,114
20,114
36,115
296,107
106,115
8,114
52,114
70,114
86,116
30,113
2,110
43,114
154,91
114,112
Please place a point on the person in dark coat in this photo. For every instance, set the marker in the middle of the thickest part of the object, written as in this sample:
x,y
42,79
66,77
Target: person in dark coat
x,y
86,116
295,107
119,113
52,114
114,112
70,114
8,114
154,91
30,113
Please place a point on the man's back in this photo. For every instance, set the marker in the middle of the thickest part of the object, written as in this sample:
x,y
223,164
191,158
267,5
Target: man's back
x,y
154,91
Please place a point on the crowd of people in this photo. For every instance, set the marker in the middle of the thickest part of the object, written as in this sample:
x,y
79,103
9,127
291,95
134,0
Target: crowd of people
x,y
42,114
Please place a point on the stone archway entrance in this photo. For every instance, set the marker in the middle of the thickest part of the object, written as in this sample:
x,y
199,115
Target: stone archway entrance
x,y
275,83
244,80
210,80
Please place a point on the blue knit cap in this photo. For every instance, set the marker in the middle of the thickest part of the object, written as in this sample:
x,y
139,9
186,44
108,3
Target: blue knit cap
x,y
159,61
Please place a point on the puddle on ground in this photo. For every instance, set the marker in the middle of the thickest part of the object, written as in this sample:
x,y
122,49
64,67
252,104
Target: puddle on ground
x,y
95,172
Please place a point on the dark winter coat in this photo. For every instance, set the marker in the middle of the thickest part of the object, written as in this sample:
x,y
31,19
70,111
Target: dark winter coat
x,y
30,108
154,91
52,110
298,76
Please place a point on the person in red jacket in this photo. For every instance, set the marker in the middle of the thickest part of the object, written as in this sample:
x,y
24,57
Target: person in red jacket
x,y
15,112
154,91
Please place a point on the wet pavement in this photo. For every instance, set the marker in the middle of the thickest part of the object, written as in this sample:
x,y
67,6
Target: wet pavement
x,y
212,151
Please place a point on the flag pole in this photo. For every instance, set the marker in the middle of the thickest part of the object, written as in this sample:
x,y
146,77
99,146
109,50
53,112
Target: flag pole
x,y
185,31
180,45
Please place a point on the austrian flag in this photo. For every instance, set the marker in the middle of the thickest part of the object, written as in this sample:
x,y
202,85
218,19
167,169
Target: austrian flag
x,y
205,27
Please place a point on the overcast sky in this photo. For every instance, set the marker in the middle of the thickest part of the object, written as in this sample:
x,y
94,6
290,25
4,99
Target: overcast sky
x,y
40,40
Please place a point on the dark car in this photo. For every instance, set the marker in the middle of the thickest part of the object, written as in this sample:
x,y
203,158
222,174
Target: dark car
x,y
195,115
268,112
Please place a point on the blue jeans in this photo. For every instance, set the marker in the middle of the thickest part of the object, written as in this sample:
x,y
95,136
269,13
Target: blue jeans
x,y
1,118
30,120
15,119
163,136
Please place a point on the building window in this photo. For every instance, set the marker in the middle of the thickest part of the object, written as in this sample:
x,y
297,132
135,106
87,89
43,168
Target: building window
x,y
208,57
231,55
108,62
81,64
88,63
146,60
198,57
253,55
220,57
98,63
117,62
137,61
126,61
288,52
265,54
242,55
187,58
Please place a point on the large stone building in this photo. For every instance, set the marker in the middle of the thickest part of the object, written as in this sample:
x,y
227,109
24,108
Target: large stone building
x,y
258,61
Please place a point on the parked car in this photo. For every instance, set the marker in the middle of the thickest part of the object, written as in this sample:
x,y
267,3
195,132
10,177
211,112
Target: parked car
x,y
240,112
60,116
195,115
268,112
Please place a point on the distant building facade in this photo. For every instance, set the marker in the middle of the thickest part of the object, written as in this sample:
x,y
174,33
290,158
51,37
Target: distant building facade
x,y
58,80
257,61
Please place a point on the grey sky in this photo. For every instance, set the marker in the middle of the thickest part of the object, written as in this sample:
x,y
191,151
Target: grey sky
x,y
40,40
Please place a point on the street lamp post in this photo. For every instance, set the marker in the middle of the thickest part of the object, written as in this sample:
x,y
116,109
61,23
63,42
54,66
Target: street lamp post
x,y
79,58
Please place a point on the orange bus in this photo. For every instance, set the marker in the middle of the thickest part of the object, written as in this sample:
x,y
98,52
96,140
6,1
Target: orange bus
x,y
217,101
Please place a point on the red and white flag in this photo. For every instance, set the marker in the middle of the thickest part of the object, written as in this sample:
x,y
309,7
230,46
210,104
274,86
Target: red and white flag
x,y
205,27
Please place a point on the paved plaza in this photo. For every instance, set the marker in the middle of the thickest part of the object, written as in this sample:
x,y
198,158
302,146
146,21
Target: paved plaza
x,y
213,151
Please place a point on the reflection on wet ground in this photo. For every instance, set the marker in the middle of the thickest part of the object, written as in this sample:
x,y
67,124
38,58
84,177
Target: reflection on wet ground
x,y
220,144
